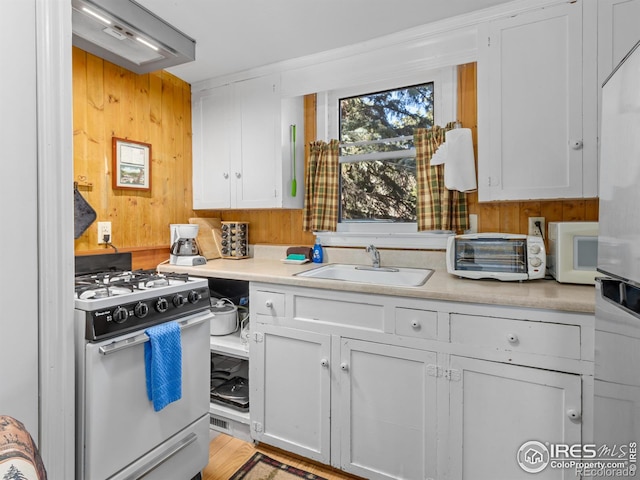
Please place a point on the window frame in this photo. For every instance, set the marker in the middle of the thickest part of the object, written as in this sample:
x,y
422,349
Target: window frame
x,y
391,234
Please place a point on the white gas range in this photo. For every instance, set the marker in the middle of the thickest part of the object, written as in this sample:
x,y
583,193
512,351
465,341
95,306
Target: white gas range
x,y
119,433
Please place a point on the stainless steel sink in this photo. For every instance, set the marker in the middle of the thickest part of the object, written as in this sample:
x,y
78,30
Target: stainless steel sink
x,y
396,277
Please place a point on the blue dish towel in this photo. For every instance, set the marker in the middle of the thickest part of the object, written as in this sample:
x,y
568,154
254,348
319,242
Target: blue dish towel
x,y
163,364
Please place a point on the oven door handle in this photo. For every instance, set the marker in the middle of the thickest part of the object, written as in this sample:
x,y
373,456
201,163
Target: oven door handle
x,y
118,345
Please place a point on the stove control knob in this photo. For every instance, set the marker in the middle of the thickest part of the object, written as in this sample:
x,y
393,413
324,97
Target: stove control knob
x,y
194,297
179,300
162,305
141,310
120,315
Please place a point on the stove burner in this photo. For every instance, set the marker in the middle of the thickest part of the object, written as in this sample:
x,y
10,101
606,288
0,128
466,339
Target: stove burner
x,y
95,292
108,284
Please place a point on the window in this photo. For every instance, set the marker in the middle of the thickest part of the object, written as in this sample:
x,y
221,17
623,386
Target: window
x,y
378,168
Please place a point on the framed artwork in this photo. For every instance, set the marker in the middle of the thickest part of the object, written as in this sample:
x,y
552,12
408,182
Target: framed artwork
x,y
131,164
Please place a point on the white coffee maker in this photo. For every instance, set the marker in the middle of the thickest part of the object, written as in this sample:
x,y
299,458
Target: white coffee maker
x,y
184,249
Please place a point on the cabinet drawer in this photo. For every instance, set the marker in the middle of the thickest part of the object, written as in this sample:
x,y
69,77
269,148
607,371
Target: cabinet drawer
x,y
356,314
416,323
268,303
523,336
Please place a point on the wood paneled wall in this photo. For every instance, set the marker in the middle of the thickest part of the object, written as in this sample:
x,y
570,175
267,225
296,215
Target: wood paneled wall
x,y
155,108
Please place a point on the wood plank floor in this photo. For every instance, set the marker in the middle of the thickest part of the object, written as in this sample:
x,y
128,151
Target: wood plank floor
x,y
227,454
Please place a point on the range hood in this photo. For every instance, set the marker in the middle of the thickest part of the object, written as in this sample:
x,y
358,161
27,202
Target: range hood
x,y
127,34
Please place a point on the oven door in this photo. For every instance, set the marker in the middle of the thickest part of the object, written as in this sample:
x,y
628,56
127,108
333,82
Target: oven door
x,y
119,423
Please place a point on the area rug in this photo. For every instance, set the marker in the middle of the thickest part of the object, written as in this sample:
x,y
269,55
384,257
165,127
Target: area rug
x,y
262,467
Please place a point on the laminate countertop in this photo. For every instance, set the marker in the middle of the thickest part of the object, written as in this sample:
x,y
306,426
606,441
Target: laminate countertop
x,y
267,267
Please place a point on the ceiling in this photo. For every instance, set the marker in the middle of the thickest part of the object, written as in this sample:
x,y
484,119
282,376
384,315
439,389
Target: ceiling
x,y
236,35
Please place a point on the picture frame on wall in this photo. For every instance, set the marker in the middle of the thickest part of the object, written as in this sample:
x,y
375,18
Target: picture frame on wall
x,y
131,164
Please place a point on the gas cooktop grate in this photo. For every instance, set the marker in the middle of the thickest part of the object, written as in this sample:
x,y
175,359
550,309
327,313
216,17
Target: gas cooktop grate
x,y
107,284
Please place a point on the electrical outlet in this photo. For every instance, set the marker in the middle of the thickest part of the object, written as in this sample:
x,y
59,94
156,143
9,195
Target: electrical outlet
x,y
533,228
104,229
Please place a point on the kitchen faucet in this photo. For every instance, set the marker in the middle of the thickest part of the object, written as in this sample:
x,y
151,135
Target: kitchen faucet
x,y
375,255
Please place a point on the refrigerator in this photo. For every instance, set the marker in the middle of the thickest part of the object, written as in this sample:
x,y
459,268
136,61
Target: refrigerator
x,y
617,317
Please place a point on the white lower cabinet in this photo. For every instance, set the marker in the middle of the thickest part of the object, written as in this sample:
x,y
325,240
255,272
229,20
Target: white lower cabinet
x,y
368,409
395,388
290,390
496,408
386,419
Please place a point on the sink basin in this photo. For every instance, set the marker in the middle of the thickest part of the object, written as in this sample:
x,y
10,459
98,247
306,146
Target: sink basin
x,y
395,277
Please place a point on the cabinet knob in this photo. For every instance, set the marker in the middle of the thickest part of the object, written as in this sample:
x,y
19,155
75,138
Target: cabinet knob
x,y
573,414
344,367
324,362
268,304
576,144
225,175
237,174
512,338
415,323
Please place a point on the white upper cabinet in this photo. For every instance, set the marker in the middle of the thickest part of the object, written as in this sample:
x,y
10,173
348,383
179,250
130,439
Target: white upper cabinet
x,y
531,143
211,112
242,155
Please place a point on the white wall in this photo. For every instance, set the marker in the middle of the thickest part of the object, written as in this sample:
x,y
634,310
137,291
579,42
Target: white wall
x,y
19,218
36,233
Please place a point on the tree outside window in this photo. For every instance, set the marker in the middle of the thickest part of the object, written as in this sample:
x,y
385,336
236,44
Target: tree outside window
x,y
378,170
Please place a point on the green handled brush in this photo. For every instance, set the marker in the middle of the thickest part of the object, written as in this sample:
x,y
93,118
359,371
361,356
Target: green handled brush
x,y
294,183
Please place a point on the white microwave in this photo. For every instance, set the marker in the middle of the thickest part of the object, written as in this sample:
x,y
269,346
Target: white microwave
x,y
501,256
573,252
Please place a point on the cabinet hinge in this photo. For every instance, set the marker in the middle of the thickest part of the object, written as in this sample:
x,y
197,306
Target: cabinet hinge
x,y
257,427
452,375
275,192
488,41
258,337
434,370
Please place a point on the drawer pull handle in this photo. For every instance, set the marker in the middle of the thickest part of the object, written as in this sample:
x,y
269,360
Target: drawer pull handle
x,y
324,362
573,414
268,304
344,367
415,324
512,338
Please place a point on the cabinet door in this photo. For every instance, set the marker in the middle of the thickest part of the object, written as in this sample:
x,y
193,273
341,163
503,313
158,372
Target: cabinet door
x,y
618,32
496,408
212,114
386,425
617,413
255,167
530,106
290,390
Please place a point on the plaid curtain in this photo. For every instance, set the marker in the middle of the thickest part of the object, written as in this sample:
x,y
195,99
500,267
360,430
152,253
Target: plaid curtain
x,y
438,208
321,187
